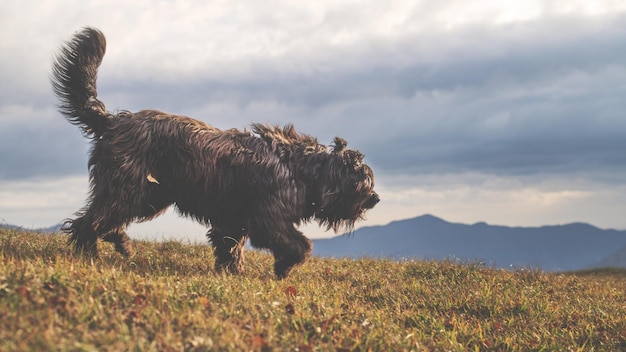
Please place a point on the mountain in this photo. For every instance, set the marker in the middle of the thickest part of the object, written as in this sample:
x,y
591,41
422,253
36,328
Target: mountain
x,y
50,229
552,248
615,260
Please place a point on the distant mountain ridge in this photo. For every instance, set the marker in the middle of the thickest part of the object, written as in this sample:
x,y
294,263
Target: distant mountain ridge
x,y
566,247
552,248
51,229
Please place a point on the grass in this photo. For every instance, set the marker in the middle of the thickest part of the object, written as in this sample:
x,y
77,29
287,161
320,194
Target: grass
x,y
167,298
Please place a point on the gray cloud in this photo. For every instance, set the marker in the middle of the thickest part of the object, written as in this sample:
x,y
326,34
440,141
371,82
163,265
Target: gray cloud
x,y
544,97
530,97
48,150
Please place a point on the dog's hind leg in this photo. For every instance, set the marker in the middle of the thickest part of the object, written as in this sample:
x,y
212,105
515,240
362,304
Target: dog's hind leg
x,y
105,219
85,230
228,249
147,211
119,237
81,236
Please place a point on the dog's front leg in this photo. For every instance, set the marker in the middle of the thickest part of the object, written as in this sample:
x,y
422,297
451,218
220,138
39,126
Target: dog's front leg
x,y
288,245
82,236
121,241
291,253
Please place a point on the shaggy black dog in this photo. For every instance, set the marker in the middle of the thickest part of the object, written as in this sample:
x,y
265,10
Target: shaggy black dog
x,y
257,184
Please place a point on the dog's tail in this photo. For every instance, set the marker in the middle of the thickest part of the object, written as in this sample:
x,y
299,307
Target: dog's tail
x,y
73,79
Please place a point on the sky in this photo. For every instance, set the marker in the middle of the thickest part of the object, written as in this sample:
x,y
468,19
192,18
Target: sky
x,y
508,112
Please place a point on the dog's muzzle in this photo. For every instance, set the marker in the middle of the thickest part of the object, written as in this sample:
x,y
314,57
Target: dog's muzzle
x,y
371,201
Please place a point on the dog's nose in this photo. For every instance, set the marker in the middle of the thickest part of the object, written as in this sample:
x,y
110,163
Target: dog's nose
x,y
372,200
376,198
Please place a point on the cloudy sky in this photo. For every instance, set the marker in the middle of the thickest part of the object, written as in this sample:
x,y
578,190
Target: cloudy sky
x,y
509,112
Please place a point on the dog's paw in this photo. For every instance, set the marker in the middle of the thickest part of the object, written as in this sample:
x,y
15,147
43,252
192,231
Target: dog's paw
x,y
125,248
231,267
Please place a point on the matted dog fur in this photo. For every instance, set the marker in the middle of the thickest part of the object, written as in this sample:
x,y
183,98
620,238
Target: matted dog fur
x,y
259,184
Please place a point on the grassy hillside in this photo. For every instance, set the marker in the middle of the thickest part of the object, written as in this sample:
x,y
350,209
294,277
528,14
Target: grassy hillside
x,y
167,298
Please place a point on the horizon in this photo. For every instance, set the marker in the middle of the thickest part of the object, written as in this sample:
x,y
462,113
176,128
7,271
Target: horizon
x,y
201,237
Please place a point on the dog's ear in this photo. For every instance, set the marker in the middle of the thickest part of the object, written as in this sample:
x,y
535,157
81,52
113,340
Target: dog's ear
x,y
357,158
339,144
348,156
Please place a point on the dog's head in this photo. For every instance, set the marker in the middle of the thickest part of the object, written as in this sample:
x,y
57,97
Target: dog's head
x,y
347,190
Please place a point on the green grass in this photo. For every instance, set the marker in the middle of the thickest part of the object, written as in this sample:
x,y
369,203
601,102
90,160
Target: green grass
x,y
167,298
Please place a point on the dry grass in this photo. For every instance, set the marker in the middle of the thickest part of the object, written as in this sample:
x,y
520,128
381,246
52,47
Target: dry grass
x,y
167,298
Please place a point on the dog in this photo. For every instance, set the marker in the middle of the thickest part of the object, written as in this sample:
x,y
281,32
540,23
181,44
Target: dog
x,y
256,184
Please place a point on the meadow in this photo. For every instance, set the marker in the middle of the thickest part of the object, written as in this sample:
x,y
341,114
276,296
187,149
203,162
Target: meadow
x,y
168,298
